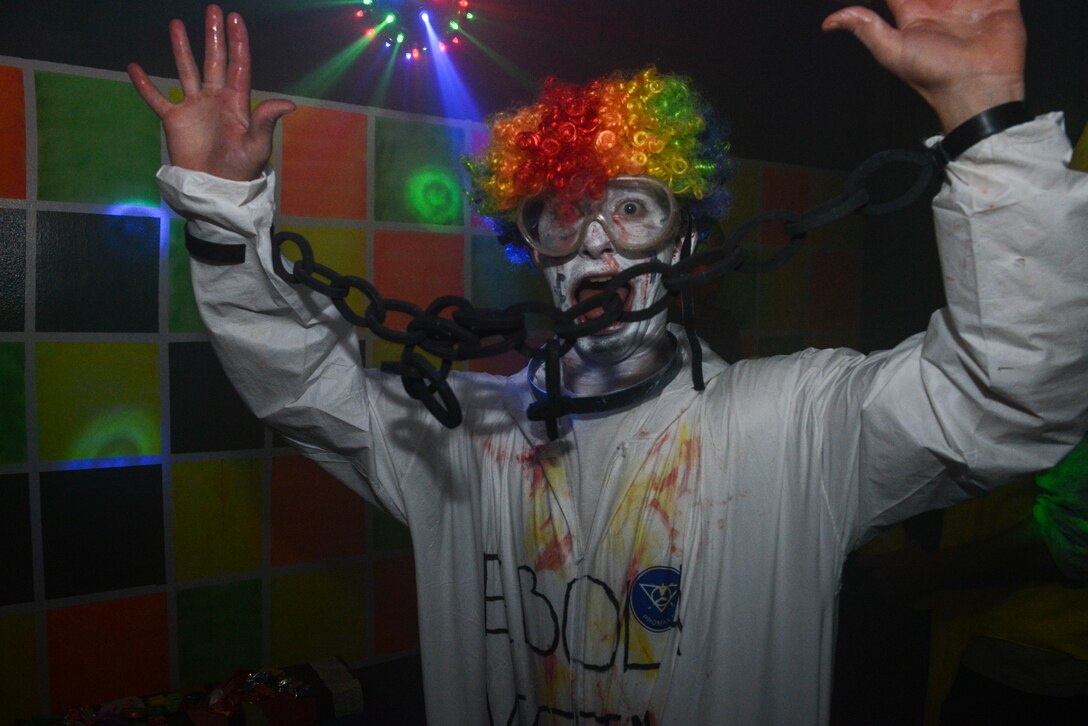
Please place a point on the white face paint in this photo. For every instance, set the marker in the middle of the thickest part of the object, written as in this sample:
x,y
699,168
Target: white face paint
x,y
624,353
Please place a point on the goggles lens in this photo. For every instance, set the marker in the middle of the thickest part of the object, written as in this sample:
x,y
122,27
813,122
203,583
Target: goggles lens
x,y
639,214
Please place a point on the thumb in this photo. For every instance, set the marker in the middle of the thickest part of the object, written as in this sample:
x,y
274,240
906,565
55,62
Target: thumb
x,y
881,39
264,118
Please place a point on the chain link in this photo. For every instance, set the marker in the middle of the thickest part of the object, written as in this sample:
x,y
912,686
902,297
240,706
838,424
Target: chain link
x,y
452,329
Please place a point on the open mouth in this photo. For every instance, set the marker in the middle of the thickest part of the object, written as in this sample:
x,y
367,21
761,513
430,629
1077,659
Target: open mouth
x,y
594,286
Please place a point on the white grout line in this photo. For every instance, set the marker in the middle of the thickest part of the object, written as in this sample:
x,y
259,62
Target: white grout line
x,y
31,386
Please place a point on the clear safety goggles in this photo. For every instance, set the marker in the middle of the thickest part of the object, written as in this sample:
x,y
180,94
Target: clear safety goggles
x,y
638,213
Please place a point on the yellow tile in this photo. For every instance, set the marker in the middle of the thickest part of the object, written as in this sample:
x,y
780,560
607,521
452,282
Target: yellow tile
x,y
97,400
218,516
19,695
341,248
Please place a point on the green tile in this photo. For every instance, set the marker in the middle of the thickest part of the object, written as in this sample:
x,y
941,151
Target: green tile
x,y
98,401
737,293
497,282
219,632
389,534
418,175
12,403
182,310
320,614
769,345
98,141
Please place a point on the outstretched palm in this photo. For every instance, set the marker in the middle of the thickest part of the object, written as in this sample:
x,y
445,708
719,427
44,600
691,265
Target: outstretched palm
x,y
212,129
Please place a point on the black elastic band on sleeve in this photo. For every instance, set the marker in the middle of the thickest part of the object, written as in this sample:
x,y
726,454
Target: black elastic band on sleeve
x,y
211,253
975,129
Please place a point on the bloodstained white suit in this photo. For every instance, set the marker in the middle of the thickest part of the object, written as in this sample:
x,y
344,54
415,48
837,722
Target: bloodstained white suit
x,y
704,590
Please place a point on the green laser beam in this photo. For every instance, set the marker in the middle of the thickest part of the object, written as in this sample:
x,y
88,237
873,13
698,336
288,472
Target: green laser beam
x,y
511,69
318,81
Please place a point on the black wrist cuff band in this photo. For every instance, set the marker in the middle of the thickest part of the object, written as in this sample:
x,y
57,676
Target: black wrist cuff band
x,y
211,253
975,129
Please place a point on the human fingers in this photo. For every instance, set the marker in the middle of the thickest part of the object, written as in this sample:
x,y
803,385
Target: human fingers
x,y
882,40
215,48
265,116
183,58
158,103
239,70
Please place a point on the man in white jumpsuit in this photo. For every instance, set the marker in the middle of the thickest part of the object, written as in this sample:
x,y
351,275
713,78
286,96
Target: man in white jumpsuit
x,y
675,560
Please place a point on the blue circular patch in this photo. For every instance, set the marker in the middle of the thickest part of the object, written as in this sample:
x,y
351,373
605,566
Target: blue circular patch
x,y
655,595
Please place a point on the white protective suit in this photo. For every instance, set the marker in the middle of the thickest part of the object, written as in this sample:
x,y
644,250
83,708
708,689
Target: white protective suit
x,y
704,589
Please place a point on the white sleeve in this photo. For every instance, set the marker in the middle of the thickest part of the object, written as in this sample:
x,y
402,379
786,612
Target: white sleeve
x,y
294,360
995,388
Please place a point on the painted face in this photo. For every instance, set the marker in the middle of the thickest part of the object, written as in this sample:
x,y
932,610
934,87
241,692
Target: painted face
x,y
623,352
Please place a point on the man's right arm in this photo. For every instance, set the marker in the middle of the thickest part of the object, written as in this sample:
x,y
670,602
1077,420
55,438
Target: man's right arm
x,y
289,353
292,358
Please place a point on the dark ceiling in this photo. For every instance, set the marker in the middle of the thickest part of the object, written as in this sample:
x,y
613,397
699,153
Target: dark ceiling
x,y
789,92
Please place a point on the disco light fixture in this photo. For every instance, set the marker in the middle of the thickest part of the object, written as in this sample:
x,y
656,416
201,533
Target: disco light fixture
x,y
413,29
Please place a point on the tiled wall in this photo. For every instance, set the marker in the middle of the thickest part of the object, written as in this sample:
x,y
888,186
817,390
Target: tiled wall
x,y
154,534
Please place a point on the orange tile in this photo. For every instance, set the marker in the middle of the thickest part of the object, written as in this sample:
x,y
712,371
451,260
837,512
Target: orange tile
x,y
324,164
419,266
783,189
396,624
106,650
314,517
13,132
835,292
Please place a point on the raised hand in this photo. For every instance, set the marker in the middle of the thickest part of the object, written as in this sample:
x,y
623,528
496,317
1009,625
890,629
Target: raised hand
x,y
212,129
962,56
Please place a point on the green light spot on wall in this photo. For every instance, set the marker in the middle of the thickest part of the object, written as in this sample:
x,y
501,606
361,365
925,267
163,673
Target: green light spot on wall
x,y
117,434
84,387
434,196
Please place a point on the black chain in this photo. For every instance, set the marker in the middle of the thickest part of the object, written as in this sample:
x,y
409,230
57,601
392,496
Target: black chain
x,y
452,329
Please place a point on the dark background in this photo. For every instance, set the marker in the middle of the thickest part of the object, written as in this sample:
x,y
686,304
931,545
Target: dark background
x,y
789,92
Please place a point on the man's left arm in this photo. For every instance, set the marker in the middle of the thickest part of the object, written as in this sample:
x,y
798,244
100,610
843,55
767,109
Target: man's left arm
x,y
995,388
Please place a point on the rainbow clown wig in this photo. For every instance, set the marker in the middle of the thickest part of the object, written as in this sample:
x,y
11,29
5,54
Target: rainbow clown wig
x,y
574,139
